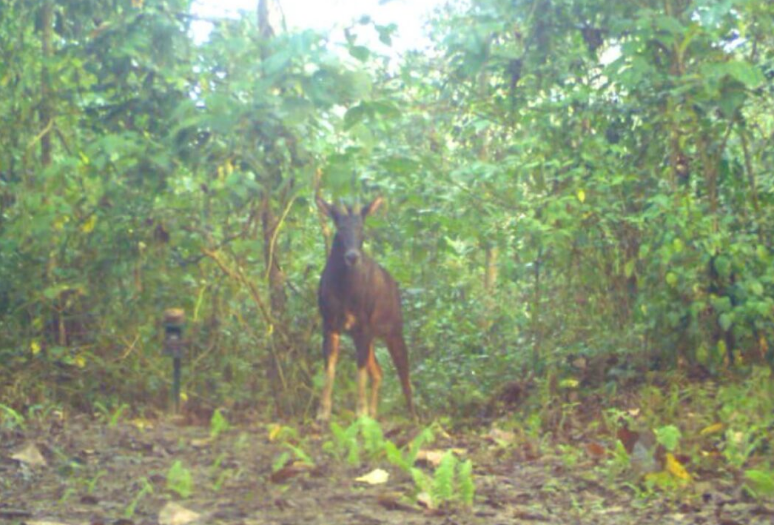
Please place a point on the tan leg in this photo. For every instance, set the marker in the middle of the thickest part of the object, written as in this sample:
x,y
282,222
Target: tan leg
x,y
331,353
362,380
375,371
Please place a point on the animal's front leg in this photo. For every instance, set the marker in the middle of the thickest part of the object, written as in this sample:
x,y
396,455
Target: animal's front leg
x,y
375,371
331,355
364,346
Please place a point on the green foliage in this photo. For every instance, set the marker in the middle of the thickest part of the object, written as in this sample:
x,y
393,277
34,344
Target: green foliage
x,y
301,456
145,488
467,487
444,478
669,437
11,418
451,482
747,411
91,484
180,480
373,438
111,416
345,442
760,482
280,461
218,424
596,182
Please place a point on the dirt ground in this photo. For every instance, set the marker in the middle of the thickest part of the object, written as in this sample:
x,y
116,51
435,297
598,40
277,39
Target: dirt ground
x,y
90,472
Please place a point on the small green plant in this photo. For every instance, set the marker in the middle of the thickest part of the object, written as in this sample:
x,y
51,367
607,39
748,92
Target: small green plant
x,y
145,489
739,446
760,482
618,463
10,418
180,480
112,417
300,454
373,437
68,492
280,461
218,424
221,479
452,482
569,455
91,484
669,437
345,444
443,479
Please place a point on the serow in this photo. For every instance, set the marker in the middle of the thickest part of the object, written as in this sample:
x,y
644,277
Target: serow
x,y
358,297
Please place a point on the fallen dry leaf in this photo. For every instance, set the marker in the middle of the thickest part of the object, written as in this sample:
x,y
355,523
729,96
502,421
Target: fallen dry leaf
x,y
501,437
433,457
712,429
425,500
30,455
175,514
595,450
274,430
201,442
285,473
375,477
674,467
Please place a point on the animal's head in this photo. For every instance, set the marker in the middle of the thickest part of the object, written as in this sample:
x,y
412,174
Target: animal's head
x,y
349,227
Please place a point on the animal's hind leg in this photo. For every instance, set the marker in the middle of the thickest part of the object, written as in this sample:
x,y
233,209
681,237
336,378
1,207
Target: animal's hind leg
x,y
397,347
375,371
331,355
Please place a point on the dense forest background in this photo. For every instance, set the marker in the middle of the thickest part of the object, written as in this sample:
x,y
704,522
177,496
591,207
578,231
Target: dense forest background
x,y
579,193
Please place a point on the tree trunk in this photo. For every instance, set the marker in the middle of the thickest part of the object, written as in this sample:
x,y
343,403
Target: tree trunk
x,y
46,112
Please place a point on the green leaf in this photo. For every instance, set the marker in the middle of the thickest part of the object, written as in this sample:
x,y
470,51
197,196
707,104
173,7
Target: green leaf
x,y
466,483
180,480
726,320
361,53
669,437
748,74
355,115
761,481
443,479
218,424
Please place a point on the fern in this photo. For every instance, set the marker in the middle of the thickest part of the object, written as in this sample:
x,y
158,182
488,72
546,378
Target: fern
x,y
395,456
180,480
339,444
443,479
11,415
280,462
373,438
145,488
421,480
218,424
345,443
424,437
302,456
467,488
353,455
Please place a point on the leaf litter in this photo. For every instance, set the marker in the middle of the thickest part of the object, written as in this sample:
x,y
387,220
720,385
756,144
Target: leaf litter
x,y
92,473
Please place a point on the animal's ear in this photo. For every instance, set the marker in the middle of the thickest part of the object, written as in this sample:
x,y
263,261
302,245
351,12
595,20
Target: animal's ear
x,y
327,209
369,209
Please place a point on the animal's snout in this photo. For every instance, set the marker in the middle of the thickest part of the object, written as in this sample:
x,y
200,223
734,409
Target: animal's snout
x,y
352,257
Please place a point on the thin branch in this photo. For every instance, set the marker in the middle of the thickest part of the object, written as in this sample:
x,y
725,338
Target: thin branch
x,y
275,234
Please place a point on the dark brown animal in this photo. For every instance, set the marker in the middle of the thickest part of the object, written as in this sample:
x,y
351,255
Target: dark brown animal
x,y
359,297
